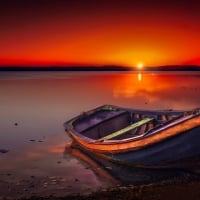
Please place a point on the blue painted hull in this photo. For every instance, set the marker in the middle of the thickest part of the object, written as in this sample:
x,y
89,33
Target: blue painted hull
x,y
172,150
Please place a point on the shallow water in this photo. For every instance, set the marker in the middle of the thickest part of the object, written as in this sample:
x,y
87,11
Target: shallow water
x,y
34,106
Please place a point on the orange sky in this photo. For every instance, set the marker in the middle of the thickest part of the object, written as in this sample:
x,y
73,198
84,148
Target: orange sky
x,y
50,32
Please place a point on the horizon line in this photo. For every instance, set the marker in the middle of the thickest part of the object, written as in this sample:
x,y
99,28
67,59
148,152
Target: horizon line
x,y
101,68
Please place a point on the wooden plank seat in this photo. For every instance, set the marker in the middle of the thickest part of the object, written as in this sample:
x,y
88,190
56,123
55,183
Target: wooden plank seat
x,y
126,129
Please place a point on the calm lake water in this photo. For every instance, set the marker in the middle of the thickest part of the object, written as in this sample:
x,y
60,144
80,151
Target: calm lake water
x,y
34,106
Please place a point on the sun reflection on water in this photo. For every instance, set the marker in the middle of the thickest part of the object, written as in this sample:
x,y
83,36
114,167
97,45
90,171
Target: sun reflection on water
x,y
166,90
139,77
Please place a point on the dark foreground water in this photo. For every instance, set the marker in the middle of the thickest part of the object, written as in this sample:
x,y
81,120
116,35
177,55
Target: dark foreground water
x,y
35,158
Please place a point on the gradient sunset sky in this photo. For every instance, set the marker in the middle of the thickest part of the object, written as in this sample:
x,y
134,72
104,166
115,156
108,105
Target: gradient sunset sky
x,y
94,32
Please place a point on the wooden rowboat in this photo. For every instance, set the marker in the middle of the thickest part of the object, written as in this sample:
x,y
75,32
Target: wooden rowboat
x,y
138,137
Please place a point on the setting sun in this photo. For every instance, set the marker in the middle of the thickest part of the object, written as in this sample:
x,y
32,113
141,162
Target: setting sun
x,y
140,65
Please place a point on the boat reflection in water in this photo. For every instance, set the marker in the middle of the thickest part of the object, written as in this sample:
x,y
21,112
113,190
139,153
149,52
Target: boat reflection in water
x,y
120,174
100,169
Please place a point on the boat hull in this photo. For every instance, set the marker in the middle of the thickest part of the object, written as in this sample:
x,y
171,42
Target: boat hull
x,y
174,151
168,152
168,144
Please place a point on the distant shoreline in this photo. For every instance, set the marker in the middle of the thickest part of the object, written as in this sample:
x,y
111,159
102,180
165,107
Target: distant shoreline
x,y
100,68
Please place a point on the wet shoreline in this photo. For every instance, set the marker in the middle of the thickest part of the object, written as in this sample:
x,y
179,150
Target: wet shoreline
x,y
97,178
184,187
179,190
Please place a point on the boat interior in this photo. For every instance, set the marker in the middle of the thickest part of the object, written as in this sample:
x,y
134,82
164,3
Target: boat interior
x,y
120,124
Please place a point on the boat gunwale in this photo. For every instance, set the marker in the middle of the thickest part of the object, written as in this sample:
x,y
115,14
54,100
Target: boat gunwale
x,y
128,146
69,125
134,138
